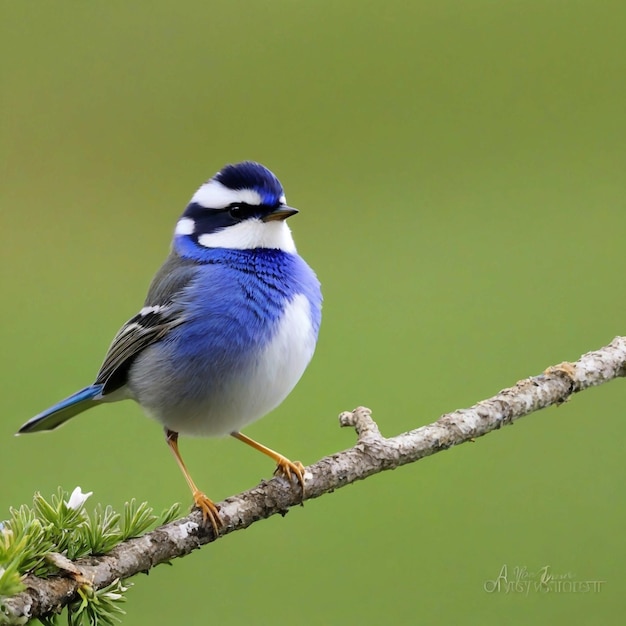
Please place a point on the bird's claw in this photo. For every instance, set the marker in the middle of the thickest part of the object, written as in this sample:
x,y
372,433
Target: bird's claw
x,y
210,510
289,469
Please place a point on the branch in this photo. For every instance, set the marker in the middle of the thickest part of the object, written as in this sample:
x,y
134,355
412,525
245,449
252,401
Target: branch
x,y
373,453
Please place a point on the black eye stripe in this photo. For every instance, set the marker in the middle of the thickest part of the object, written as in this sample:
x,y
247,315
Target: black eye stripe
x,y
210,220
196,211
242,211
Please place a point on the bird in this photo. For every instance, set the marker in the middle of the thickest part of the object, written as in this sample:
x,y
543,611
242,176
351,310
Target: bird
x,y
228,327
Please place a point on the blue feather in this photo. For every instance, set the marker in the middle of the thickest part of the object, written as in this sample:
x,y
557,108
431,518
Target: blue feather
x,y
64,410
251,175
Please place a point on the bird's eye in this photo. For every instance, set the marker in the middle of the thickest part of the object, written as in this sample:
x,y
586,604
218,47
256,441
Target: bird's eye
x,y
236,212
242,211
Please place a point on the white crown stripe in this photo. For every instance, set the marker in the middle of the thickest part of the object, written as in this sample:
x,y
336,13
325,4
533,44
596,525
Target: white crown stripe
x,y
214,195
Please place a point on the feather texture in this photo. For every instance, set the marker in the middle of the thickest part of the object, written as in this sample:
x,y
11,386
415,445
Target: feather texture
x,y
64,410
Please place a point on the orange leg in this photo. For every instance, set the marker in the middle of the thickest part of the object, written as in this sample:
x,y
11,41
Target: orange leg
x,y
285,467
209,510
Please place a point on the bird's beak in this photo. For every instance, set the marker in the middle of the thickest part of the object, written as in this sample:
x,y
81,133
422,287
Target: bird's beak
x,y
280,213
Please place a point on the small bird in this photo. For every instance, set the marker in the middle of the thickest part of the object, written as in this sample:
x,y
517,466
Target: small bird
x,y
227,329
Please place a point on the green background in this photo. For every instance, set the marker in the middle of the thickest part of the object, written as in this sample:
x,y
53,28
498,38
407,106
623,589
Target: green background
x,y
459,167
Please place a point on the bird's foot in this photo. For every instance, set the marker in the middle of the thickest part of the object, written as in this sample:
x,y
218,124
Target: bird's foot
x,y
210,511
290,469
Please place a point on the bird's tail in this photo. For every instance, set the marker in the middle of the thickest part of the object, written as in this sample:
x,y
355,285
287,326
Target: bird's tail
x,y
64,410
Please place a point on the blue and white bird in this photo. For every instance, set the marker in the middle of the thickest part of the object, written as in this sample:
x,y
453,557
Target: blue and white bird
x,y
227,329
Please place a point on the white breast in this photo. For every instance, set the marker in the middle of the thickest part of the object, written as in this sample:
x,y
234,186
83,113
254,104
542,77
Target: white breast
x,y
282,363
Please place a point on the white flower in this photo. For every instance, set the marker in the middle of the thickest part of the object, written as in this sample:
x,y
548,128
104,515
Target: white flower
x,y
78,499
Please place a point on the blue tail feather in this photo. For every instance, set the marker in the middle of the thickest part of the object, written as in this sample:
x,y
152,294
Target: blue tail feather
x,y
64,410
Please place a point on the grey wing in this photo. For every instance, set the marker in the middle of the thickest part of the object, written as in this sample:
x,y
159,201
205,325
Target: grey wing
x,y
156,319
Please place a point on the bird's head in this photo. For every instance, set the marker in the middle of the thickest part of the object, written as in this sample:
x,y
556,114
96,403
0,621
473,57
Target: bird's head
x,y
242,207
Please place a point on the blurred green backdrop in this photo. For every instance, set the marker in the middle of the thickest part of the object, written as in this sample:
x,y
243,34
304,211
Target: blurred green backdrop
x,y
459,167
